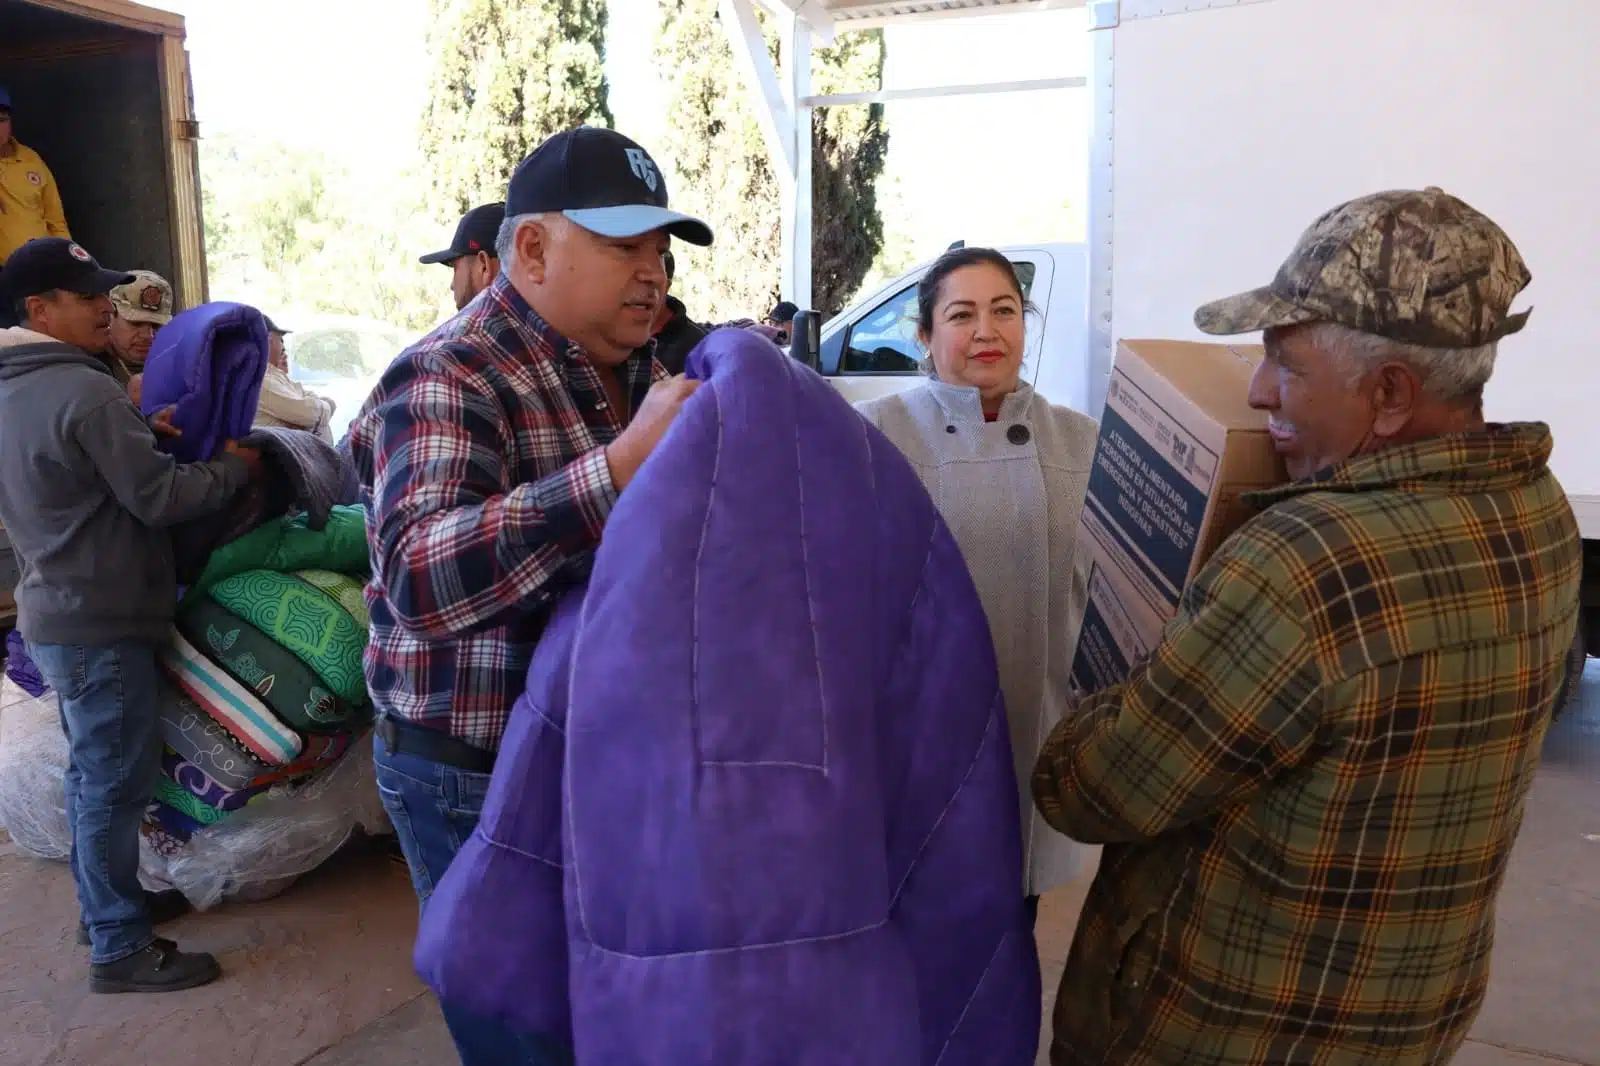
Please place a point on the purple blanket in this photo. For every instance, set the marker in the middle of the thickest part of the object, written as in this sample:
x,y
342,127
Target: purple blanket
x,y
773,819
20,668
207,363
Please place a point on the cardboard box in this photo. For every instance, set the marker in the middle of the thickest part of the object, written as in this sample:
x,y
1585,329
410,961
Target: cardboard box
x,y
1179,445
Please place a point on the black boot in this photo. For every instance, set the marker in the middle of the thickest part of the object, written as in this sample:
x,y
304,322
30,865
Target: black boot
x,y
164,907
161,967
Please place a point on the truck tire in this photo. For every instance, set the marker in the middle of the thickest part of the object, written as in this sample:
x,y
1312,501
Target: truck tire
x,y
1572,673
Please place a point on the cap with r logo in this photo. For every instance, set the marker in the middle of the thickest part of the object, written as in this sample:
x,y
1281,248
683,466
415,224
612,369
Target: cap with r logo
x,y
604,182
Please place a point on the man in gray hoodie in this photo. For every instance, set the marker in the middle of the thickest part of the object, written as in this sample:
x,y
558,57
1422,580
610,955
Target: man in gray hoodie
x,y
85,495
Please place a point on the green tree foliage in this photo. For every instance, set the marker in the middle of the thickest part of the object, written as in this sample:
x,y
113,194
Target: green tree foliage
x,y
723,172
288,230
506,75
850,146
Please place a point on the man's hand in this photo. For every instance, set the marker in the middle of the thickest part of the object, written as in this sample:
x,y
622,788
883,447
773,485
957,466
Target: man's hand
x,y
627,453
251,456
161,421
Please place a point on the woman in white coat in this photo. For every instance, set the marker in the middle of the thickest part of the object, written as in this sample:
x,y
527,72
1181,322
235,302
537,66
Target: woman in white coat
x,y
1008,470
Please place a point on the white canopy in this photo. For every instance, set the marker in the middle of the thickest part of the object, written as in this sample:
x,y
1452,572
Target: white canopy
x,y
783,97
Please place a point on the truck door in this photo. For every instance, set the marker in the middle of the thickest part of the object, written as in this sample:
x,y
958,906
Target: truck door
x,y
183,164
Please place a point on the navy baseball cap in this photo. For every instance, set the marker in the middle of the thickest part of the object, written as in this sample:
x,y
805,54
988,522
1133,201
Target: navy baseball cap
x,y
55,264
5,99
476,232
602,181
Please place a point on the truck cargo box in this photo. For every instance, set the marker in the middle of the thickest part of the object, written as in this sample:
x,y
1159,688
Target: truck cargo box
x,y
100,89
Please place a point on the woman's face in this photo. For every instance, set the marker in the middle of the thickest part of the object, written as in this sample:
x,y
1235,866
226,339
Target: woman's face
x,y
977,330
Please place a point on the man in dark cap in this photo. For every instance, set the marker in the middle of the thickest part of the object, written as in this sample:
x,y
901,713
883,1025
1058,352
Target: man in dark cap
x,y
85,495
675,334
1310,790
543,383
782,314
471,255
780,319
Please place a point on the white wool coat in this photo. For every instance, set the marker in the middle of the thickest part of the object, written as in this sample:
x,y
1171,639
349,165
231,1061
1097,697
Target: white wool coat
x,y
1011,492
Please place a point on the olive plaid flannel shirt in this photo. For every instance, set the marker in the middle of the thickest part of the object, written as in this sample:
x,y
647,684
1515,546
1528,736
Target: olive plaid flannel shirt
x,y
1310,790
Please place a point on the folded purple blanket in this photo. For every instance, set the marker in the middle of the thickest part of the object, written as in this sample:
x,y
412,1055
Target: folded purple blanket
x,y
20,668
207,364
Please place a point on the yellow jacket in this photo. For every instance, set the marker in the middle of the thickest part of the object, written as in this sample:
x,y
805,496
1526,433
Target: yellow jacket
x,y
30,203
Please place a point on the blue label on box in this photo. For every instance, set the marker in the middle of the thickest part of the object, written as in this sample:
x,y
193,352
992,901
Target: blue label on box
x,y
1099,663
1146,496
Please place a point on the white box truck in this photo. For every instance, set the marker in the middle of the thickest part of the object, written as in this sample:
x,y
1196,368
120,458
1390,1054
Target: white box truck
x,y
100,89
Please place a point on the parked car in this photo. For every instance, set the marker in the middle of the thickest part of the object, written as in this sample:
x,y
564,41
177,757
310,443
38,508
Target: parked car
x,y
342,357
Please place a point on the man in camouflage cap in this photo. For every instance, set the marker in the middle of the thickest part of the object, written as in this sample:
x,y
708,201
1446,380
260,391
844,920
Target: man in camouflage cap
x,y
1309,790
142,306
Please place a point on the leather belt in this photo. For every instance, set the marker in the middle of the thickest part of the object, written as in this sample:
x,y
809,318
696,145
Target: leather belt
x,y
406,738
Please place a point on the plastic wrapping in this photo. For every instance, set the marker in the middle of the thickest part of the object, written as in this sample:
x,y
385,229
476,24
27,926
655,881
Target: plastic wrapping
x,y
257,852
33,766
253,854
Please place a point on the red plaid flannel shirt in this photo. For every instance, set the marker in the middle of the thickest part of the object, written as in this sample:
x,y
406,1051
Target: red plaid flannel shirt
x,y
481,453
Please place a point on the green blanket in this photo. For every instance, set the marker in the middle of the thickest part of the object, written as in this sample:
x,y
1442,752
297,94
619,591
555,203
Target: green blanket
x,y
306,621
288,544
346,591
289,688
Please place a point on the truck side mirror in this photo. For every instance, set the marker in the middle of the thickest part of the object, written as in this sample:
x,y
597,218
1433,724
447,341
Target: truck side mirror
x,y
805,339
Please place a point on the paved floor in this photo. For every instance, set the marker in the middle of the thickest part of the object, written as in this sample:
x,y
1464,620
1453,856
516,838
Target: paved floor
x,y
320,976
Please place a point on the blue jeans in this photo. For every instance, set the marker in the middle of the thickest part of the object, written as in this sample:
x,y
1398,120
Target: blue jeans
x,y
109,713
434,809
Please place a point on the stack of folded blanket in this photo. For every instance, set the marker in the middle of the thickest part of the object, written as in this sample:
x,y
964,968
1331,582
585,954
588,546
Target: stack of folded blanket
x,y
263,700
265,673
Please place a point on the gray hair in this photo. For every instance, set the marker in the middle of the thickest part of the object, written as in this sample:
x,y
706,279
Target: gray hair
x,y
1455,375
505,242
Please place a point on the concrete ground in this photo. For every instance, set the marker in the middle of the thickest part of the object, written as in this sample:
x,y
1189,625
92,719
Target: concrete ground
x,y
321,976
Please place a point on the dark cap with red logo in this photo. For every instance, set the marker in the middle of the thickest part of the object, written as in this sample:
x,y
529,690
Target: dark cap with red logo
x,y
55,264
476,232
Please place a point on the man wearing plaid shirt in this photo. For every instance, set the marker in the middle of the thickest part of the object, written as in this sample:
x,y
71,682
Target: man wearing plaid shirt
x,y
492,452
1309,791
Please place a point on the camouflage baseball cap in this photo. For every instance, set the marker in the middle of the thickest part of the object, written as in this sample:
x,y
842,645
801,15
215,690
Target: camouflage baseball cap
x,y
147,298
1418,267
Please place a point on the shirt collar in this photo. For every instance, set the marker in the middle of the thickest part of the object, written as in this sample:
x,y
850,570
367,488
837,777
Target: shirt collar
x,y
1496,458
965,403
